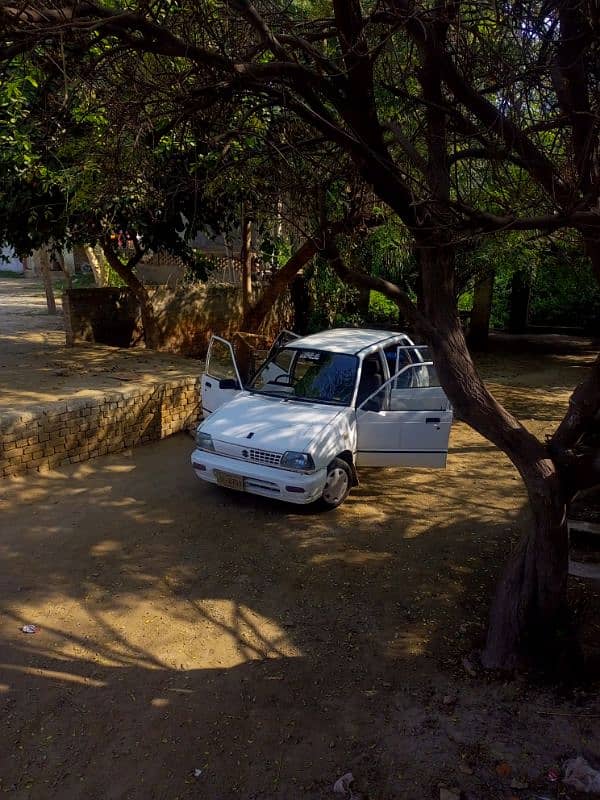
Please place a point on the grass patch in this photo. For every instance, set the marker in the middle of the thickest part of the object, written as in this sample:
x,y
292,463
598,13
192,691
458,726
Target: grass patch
x,y
8,273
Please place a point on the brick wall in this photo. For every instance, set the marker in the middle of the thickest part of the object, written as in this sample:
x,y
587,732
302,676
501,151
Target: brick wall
x,y
71,431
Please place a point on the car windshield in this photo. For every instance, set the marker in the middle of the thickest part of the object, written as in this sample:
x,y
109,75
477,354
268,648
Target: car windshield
x,y
312,375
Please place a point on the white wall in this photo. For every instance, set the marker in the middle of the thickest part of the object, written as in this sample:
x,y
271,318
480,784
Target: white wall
x,y
13,264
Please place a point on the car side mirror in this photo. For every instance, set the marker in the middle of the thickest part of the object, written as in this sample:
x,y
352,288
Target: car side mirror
x,y
228,383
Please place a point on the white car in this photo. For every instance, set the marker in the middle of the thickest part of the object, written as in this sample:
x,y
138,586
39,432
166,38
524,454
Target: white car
x,y
320,407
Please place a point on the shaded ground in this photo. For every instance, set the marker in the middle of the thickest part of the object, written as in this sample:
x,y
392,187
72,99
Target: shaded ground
x,y
185,628
36,367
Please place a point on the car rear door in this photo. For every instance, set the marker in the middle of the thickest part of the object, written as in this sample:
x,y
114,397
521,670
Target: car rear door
x,y
407,422
221,378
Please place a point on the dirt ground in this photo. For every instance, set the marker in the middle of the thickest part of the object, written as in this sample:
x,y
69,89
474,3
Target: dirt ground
x,y
195,643
37,368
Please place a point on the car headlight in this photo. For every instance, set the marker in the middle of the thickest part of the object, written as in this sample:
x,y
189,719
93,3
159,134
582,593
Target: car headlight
x,y
299,461
204,441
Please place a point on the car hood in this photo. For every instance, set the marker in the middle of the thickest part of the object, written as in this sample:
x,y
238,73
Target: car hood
x,y
275,423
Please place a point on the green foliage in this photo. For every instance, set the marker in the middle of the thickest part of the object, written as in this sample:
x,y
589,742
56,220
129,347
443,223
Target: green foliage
x,y
334,303
386,253
72,173
274,249
564,291
382,310
78,281
465,300
113,278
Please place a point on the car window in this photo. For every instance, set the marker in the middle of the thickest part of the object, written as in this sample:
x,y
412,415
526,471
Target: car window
x,y
317,375
405,392
220,361
397,357
283,359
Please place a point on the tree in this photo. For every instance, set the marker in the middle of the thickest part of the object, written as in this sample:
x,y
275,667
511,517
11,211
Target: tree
x,y
74,178
425,99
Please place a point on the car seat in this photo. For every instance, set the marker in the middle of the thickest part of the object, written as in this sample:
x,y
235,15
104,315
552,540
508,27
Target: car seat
x,y
370,380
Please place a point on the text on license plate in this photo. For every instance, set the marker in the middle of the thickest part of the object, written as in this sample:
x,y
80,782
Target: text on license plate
x,y
230,481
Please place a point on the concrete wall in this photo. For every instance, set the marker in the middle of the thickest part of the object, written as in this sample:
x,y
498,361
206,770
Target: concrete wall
x,y
188,316
71,431
101,316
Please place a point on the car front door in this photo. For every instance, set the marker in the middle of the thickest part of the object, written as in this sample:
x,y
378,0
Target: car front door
x,y
406,423
221,379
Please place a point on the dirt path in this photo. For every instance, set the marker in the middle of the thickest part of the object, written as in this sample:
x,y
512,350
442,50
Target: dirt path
x,y
182,629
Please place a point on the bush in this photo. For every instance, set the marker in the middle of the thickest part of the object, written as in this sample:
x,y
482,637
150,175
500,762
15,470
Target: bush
x,y
382,310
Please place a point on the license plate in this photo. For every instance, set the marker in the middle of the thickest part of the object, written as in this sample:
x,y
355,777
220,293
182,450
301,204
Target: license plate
x,y
229,481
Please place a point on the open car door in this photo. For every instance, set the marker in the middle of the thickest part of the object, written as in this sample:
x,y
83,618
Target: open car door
x,y
283,337
406,422
221,379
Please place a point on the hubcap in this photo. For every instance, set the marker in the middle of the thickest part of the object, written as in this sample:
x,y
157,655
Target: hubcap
x,y
336,485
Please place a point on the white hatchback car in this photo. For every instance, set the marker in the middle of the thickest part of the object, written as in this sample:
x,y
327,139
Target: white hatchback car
x,y
319,407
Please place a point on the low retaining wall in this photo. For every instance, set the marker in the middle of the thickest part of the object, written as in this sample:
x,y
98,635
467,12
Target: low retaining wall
x,y
71,431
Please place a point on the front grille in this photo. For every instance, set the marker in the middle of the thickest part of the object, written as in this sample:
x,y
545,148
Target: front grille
x,y
264,457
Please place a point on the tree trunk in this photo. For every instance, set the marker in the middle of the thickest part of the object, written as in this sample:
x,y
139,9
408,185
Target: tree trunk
x,y
98,268
47,280
530,600
152,332
255,316
301,303
246,259
60,260
519,303
479,325
531,596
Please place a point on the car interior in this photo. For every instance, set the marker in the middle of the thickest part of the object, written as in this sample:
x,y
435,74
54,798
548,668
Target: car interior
x,y
370,380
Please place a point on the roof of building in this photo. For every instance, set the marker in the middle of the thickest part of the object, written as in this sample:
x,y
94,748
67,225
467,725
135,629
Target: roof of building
x,y
345,340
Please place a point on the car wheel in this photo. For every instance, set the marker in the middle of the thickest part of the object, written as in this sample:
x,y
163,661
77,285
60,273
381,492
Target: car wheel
x,y
337,484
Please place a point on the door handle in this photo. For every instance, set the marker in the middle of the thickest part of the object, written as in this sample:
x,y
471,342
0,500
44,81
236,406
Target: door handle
x,y
209,386
432,421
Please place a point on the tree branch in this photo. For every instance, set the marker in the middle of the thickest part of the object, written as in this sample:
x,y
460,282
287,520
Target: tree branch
x,y
364,281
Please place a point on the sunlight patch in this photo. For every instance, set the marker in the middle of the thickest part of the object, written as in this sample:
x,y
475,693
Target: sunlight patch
x,y
105,547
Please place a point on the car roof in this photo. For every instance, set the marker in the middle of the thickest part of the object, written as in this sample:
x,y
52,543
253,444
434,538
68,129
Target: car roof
x,y
344,340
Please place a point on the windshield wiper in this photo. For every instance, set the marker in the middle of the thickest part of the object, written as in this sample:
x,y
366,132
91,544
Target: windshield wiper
x,y
319,400
267,394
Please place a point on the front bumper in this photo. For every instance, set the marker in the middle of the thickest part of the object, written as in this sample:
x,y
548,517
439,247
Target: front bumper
x,y
282,484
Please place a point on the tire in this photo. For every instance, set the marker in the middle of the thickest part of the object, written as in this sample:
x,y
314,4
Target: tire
x,y
337,484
